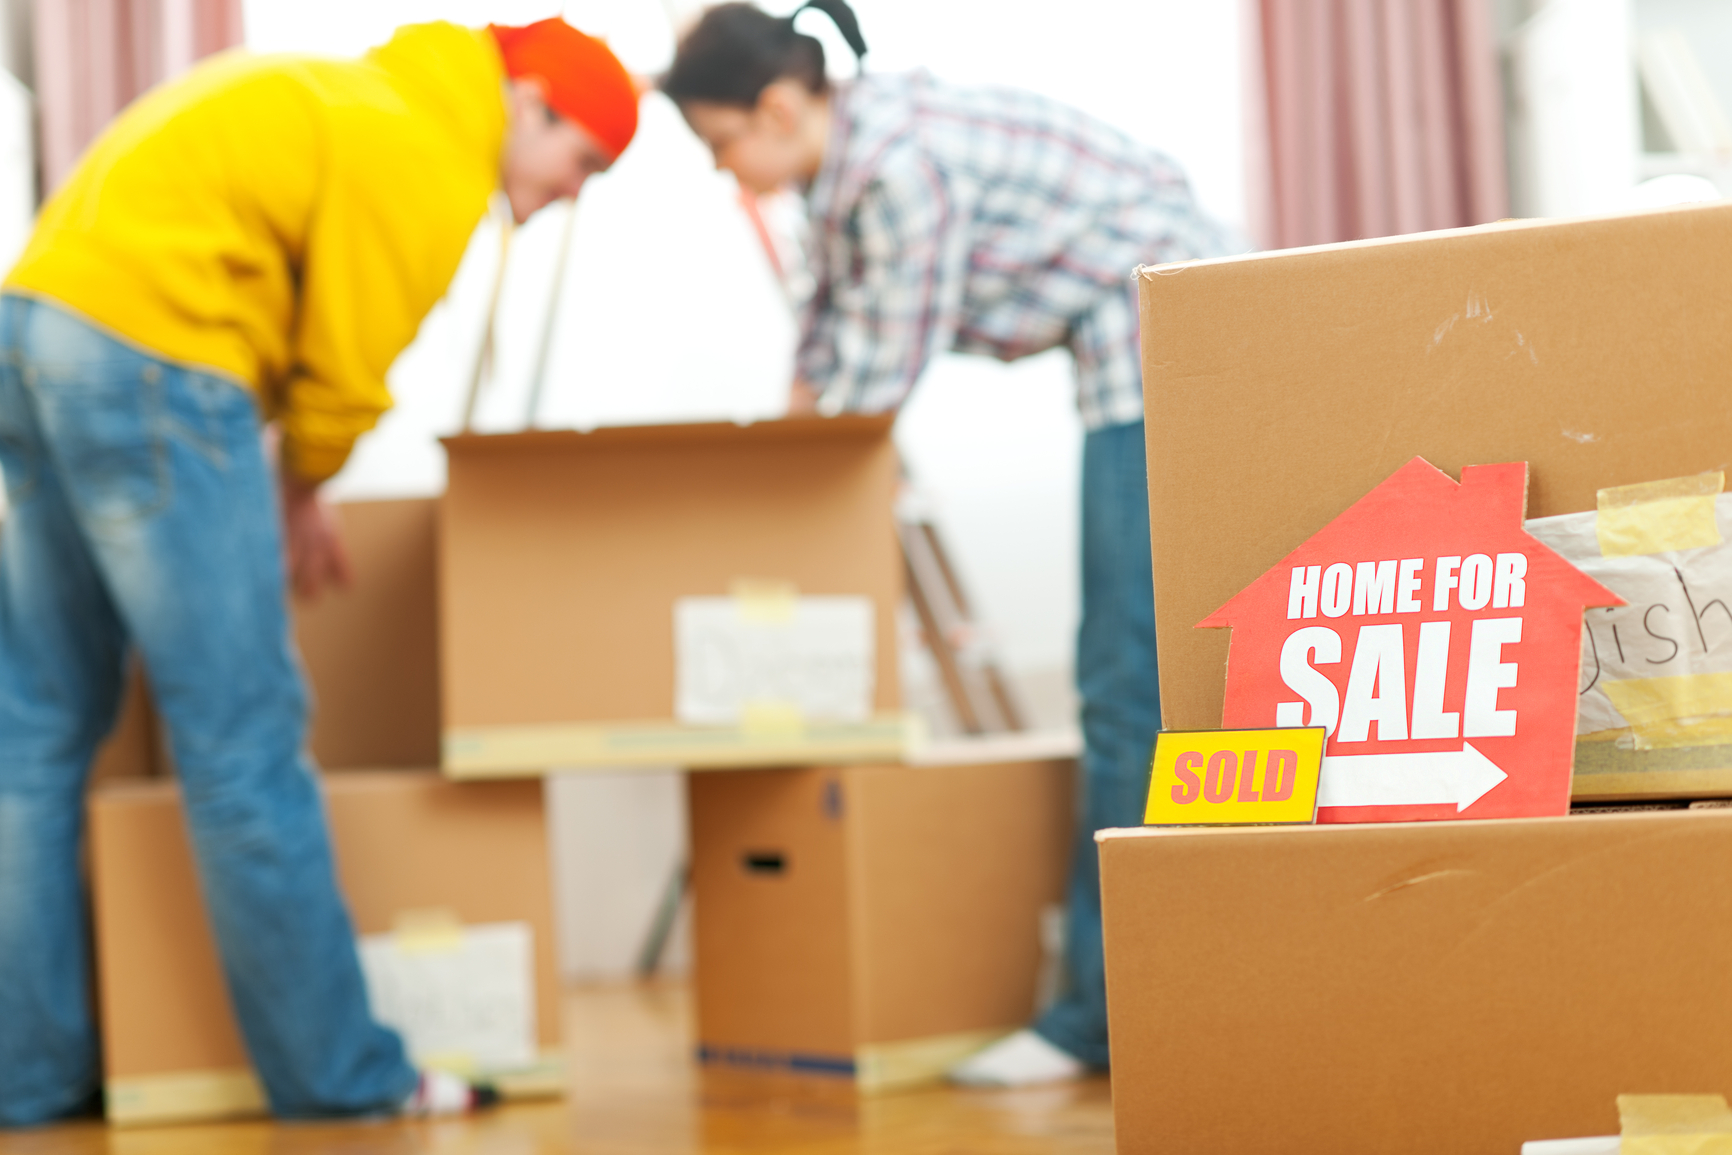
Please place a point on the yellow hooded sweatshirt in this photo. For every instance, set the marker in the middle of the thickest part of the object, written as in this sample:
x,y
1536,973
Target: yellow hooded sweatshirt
x,y
286,221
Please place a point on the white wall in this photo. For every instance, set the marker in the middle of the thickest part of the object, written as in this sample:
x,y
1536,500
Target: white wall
x,y
1574,127
670,312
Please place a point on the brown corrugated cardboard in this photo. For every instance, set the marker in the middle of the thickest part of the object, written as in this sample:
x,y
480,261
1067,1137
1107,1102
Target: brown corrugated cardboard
x,y
874,921
404,841
132,748
1428,987
1281,387
562,555
371,652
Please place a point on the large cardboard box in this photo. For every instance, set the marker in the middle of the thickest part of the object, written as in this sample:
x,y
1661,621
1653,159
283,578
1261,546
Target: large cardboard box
x,y
872,922
371,652
1450,987
370,655
563,556
1281,387
133,748
405,842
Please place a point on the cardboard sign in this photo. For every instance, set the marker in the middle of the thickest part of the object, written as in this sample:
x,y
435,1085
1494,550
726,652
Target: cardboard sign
x,y
1433,638
1229,777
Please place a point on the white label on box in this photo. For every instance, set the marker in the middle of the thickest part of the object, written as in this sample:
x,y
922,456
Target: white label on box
x,y
466,1001
814,661
1677,622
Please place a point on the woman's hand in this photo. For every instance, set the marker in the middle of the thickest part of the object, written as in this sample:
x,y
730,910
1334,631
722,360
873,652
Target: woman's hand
x,y
316,558
802,400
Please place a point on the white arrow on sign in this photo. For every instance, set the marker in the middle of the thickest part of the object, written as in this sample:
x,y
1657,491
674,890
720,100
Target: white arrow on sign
x,y
1460,776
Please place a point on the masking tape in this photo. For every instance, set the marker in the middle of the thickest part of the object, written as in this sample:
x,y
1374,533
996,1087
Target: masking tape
x,y
1663,713
434,930
757,600
1674,1125
1658,516
456,1062
769,718
183,1096
1645,701
912,1062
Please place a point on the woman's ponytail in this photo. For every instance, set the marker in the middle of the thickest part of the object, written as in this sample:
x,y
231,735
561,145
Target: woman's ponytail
x,y
737,50
842,16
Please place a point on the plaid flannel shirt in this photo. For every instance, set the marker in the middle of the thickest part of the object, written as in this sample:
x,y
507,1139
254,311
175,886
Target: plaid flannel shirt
x,y
983,220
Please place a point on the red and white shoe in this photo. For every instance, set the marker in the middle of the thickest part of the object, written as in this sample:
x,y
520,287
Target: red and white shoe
x,y
441,1094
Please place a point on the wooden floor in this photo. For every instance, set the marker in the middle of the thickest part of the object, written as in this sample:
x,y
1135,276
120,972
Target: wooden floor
x,y
635,1091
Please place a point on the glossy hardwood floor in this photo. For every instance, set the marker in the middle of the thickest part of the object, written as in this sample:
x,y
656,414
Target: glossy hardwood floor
x,y
634,1091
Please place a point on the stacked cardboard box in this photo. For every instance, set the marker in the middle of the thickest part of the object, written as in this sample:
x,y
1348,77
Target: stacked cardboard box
x,y
906,903
565,558
406,843
873,922
370,653
1426,987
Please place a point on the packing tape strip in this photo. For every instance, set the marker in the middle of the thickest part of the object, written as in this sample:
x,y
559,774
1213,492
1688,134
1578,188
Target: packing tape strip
x,y
757,600
1674,1125
1658,516
1686,710
433,930
766,718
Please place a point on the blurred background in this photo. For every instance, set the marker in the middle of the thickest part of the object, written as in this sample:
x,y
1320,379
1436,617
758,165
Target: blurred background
x,y
654,298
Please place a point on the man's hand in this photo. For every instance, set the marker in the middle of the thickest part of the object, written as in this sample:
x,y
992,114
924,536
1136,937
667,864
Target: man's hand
x,y
316,558
802,400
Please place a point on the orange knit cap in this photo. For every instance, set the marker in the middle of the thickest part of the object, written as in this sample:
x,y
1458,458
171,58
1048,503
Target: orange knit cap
x,y
583,80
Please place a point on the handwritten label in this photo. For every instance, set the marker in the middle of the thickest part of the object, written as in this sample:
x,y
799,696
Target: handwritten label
x,y
1666,649
466,1003
1222,777
749,661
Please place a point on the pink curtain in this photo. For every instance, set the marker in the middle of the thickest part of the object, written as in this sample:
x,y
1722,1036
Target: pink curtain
x,y
1373,117
94,56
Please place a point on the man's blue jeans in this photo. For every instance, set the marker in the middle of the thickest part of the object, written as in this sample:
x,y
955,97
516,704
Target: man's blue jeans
x,y
1121,713
143,516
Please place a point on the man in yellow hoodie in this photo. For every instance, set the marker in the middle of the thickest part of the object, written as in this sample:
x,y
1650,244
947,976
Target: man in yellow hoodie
x,y
254,242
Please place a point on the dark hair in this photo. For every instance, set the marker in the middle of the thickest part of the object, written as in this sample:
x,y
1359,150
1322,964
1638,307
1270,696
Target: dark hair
x,y
737,50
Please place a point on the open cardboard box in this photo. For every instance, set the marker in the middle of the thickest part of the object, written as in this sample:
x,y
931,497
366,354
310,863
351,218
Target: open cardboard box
x,y
872,923
1281,387
563,555
404,842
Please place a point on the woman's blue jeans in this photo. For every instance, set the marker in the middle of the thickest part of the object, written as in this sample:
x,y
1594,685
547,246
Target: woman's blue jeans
x,y
1118,682
143,516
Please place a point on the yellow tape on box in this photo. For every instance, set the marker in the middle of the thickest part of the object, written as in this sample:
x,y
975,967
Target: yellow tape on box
x,y
1658,516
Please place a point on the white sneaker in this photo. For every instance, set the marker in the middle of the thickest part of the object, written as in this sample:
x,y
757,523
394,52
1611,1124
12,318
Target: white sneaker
x,y
441,1094
1020,1060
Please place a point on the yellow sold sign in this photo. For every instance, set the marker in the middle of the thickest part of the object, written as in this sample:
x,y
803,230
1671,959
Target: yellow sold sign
x,y
1207,777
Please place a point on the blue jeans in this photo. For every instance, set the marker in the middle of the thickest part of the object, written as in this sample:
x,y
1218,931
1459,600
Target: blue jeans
x,y
143,515
1117,680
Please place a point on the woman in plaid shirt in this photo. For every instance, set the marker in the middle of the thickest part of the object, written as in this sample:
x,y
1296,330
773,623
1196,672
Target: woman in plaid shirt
x,y
979,220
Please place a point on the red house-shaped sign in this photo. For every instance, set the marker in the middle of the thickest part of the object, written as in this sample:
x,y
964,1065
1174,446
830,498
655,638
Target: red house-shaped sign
x,y
1437,642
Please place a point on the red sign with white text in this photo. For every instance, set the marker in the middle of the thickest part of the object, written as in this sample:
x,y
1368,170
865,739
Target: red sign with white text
x,y
1437,642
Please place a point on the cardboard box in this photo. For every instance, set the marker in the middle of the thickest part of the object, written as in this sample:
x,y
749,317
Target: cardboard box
x,y
1281,387
133,748
873,922
563,555
371,652
1440,987
404,842
370,655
